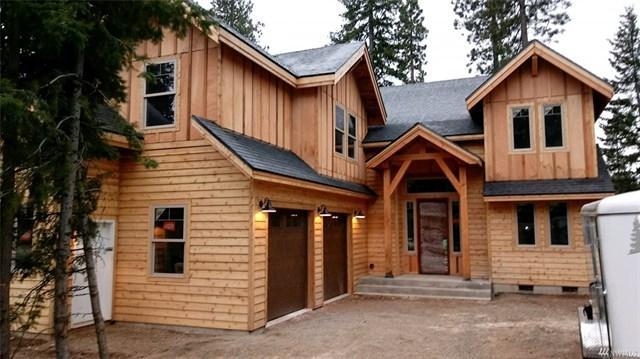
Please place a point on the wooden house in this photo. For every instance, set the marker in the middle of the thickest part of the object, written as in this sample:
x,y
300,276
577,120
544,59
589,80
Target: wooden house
x,y
285,181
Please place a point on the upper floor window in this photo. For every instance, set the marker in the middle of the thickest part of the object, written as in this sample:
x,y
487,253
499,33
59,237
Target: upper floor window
x,y
168,240
558,224
339,130
351,136
525,215
553,133
521,128
160,94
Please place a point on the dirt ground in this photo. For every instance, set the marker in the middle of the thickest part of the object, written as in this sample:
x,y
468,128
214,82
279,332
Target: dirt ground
x,y
510,326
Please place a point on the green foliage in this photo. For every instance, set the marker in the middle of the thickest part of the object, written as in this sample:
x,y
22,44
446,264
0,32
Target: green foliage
x,y
409,39
494,28
238,14
621,126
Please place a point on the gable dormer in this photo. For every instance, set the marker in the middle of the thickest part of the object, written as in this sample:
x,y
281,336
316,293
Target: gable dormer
x,y
539,112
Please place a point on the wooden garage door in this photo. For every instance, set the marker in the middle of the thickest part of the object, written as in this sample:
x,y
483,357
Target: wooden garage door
x,y
287,263
335,256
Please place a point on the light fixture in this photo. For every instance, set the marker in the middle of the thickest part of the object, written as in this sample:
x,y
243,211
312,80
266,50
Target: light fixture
x,y
265,206
323,212
358,214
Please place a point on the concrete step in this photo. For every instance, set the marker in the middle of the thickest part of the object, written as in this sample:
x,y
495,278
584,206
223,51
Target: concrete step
x,y
427,282
421,291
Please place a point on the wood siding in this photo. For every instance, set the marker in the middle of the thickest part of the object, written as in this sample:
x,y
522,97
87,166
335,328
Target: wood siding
x,y
214,291
541,264
577,159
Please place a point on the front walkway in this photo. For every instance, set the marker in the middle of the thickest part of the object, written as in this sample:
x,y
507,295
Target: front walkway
x,y
511,326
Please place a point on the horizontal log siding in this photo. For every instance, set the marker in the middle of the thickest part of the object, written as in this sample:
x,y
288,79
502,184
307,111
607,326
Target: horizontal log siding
x,y
214,292
542,264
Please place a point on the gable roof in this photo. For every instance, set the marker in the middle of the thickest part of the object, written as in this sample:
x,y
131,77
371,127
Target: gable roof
x,y
439,106
265,157
420,131
535,47
319,61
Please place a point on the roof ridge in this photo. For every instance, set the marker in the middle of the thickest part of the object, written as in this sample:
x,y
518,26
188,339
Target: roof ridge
x,y
434,82
317,48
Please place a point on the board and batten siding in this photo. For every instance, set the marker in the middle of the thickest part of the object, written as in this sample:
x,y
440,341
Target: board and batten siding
x,y
214,291
541,264
577,159
283,196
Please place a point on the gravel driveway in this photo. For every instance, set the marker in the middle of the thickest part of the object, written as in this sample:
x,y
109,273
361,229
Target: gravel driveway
x,y
510,326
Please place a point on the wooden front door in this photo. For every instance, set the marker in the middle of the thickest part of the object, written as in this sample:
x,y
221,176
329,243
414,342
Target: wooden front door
x,y
433,233
334,251
287,263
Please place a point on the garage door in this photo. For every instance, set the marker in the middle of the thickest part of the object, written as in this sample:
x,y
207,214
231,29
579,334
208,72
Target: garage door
x,y
287,263
335,256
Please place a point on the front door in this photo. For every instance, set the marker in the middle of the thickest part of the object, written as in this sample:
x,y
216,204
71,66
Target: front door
x,y
81,302
433,239
287,263
335,255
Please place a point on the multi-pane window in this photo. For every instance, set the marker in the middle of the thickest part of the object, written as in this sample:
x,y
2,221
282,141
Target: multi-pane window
x,y
410,228
525,214
160,94
553,136
520,118
558,224
168,240
339,130
351,136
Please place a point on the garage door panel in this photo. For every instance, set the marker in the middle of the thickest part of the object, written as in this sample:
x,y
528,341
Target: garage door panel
x,y
335,256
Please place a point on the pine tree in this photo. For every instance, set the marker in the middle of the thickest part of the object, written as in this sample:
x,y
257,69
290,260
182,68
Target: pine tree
x,y
621,128
238,14
410,35
498,29
371,21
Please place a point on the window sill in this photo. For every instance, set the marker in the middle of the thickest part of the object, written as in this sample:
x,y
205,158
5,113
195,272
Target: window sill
x,y
166,277
156,129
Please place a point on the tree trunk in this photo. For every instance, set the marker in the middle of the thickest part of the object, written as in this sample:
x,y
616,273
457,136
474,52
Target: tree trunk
x,y
370,31
98,320
524,35
495,54
72,159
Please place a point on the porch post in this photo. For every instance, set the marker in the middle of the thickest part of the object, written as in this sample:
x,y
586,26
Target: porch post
x,y
386,193
464,223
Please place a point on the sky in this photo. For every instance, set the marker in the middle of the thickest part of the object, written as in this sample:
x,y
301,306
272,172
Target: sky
x,y
291,25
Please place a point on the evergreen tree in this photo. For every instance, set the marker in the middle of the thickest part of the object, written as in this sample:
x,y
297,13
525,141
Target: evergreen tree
x,y
498,29
410,36
238,14
621,128
372,21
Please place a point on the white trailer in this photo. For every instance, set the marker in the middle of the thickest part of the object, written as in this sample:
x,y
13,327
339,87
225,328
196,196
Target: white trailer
x,y
610,324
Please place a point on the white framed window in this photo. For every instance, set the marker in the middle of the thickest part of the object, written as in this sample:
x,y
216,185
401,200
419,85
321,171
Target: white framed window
x,y
160,94
352,137
558,224
338,143
410,226
526,224
553,125
168,240
521,128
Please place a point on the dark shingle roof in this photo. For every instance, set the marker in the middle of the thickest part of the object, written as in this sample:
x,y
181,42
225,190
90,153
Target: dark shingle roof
x,y
265,157
318,61
439,105
601,184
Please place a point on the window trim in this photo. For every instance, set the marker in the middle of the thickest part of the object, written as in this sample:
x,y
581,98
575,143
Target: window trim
x,y
563,125
532,136
406,227
535,225
569,242
335,127
151,262
174,125
348,136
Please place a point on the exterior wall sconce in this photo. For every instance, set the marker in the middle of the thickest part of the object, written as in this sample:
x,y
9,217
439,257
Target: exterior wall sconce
x,y
265,206
359,214
323,212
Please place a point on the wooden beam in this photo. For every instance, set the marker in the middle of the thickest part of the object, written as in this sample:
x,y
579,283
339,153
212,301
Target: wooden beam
x,y
398,177
447,172
534,65
386,184
464,224
548,197
421,156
